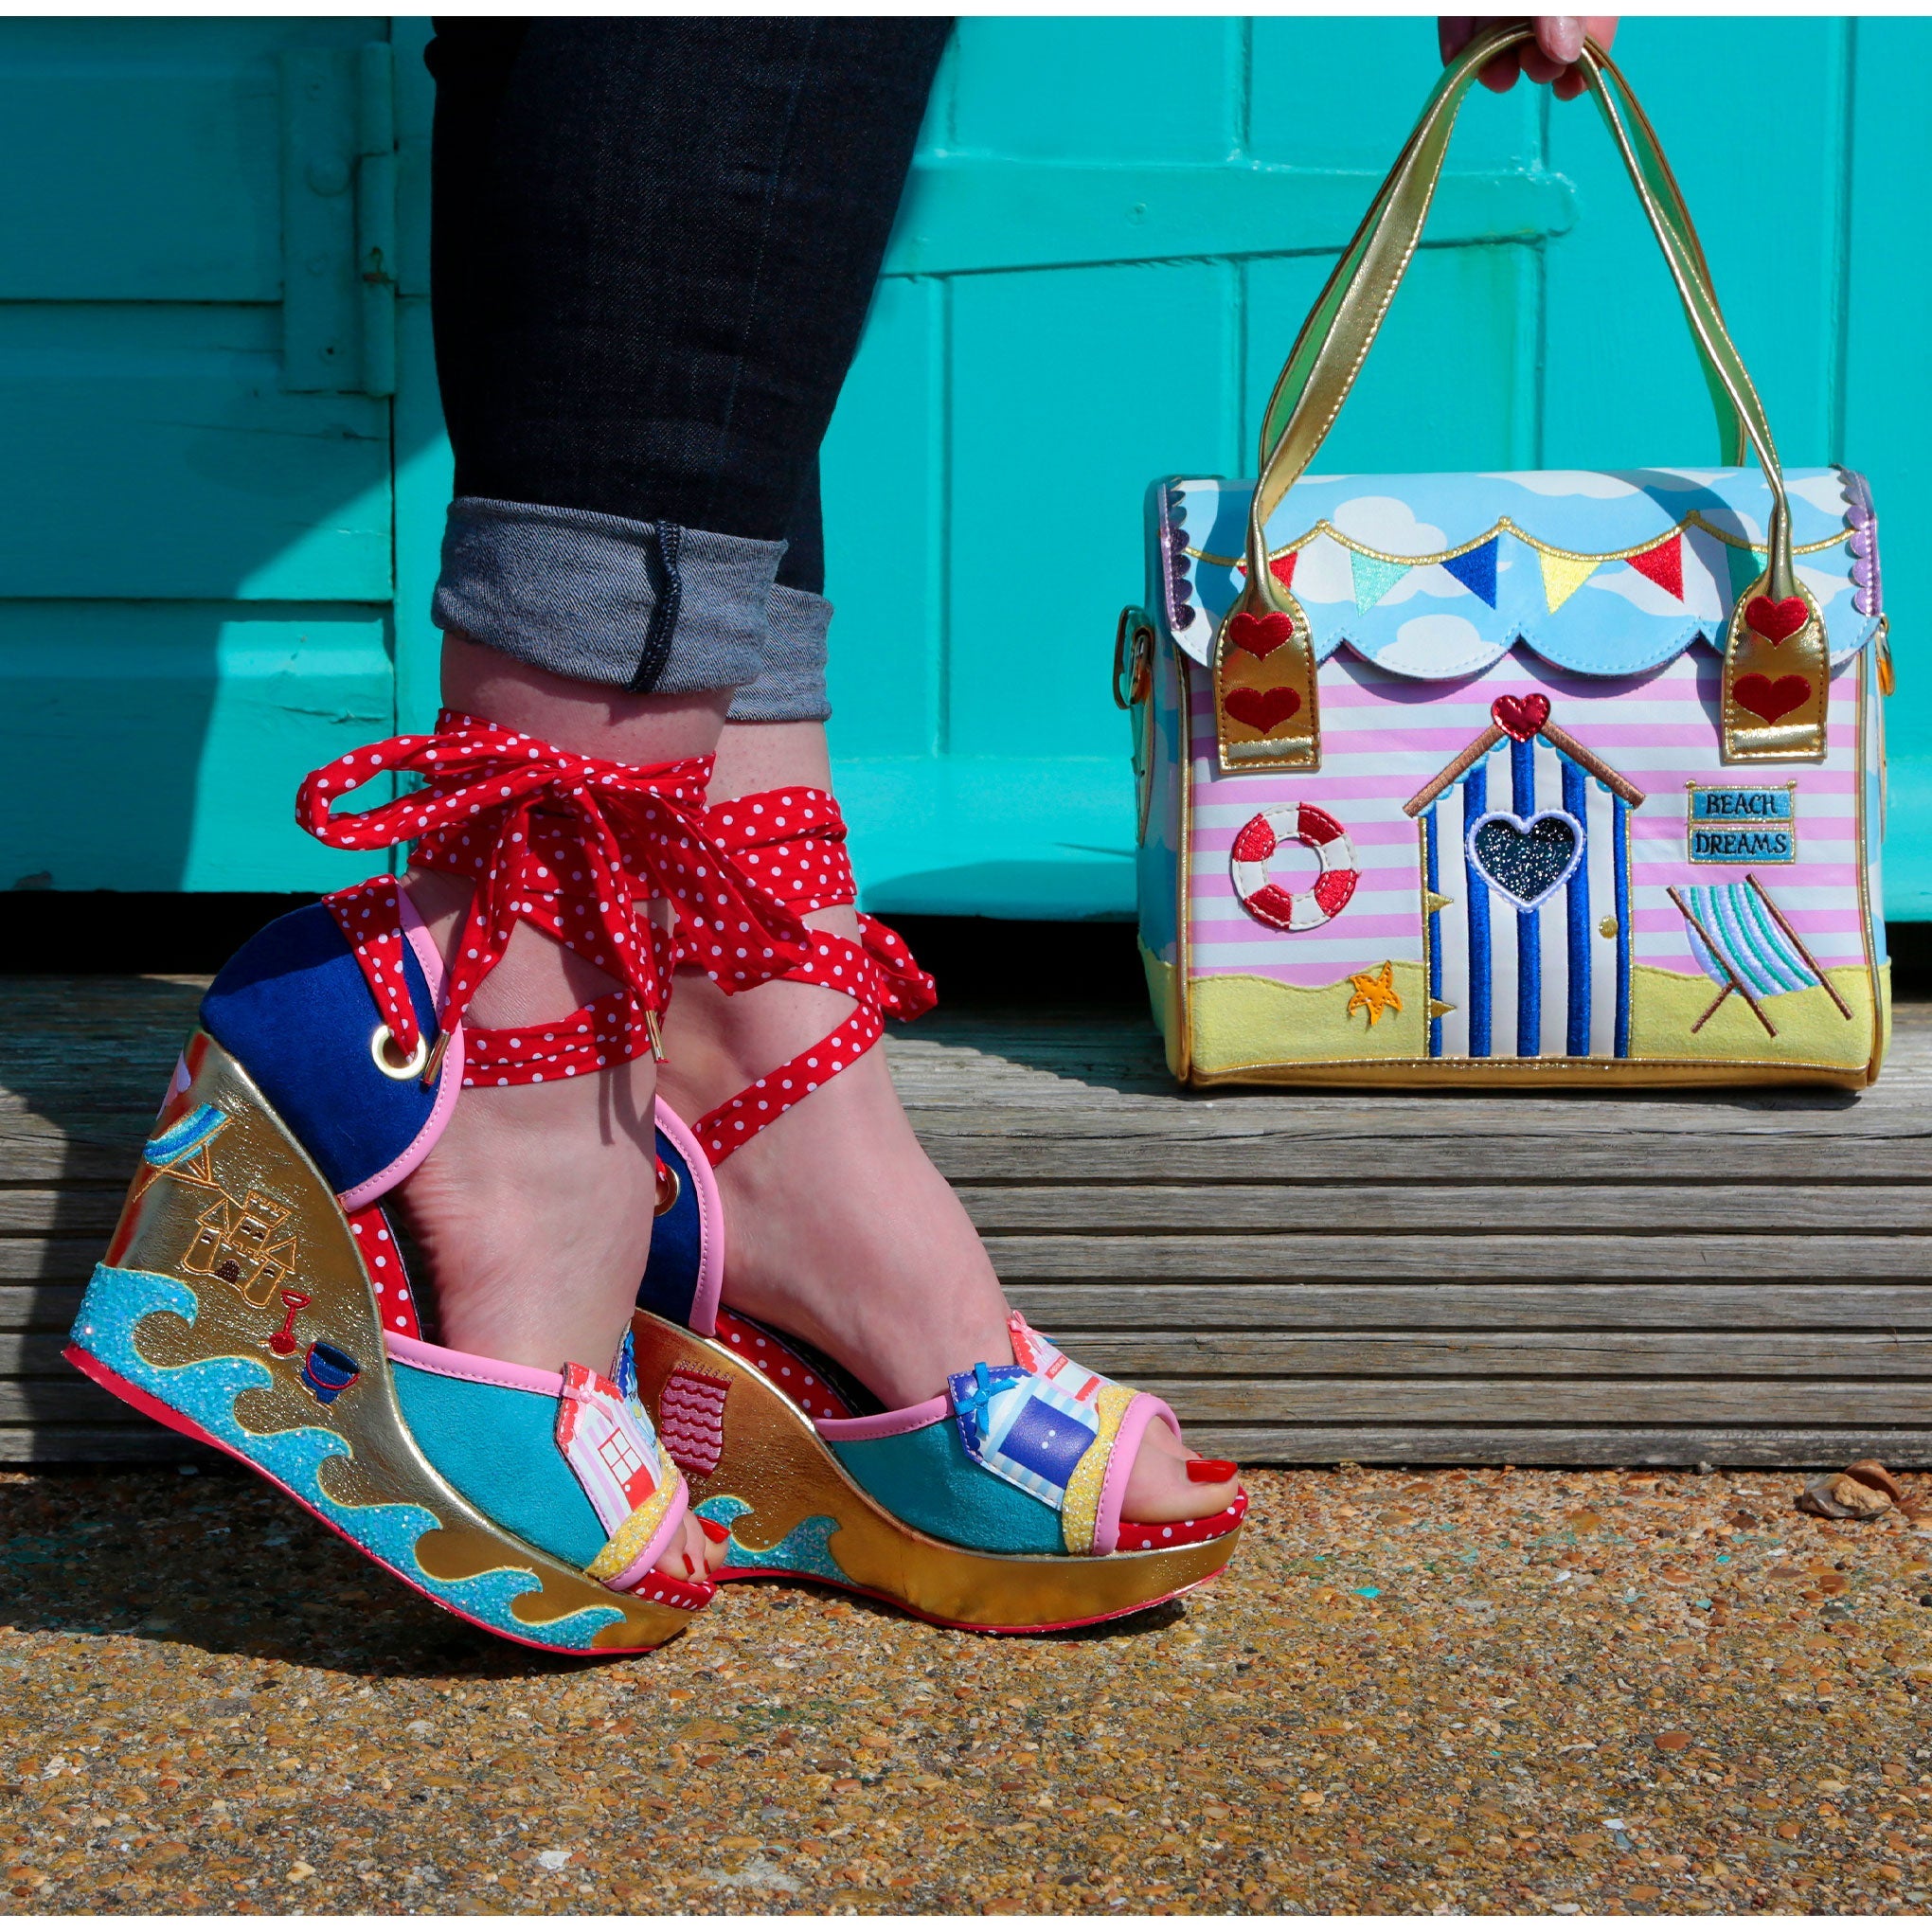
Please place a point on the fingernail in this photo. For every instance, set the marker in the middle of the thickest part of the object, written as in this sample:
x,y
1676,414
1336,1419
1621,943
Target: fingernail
x,y
1564,39
716,1531
1210,1469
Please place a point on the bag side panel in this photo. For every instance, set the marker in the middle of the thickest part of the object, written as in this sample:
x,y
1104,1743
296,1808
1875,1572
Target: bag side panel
x,y
1159,856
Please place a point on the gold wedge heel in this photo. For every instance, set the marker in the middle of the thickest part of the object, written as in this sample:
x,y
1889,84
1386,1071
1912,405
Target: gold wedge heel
x,y
236,1307
756,1466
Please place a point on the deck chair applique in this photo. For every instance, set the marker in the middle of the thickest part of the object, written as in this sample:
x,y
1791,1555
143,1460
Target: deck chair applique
x,y
1748,947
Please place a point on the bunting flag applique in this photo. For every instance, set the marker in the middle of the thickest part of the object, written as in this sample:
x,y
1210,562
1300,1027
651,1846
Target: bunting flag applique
x,y
1746,567
1475,571
1282,569
1563,577
1374,578
1664,565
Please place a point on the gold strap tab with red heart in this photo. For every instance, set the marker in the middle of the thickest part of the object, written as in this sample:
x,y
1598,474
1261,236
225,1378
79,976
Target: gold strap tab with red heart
x,y
1776,676
1266,713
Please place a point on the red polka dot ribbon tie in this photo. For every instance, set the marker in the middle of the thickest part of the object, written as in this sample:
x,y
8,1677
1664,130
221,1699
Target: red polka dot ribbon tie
x,y
791,843
577,848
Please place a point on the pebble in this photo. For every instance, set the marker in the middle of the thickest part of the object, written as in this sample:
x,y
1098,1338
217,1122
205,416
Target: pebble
x,y
209,1703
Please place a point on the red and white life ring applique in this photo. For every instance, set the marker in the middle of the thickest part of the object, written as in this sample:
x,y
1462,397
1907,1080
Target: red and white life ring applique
x,y
1259,839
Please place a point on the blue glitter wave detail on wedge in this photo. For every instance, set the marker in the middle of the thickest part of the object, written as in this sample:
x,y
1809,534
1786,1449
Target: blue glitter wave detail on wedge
x,y
806,1550
192,1130
206,1392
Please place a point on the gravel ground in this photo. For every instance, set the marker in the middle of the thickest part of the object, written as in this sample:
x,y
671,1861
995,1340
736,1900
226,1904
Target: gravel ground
x,y
1489,1691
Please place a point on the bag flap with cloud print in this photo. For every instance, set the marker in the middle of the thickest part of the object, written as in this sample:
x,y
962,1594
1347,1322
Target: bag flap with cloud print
x,y
1609,573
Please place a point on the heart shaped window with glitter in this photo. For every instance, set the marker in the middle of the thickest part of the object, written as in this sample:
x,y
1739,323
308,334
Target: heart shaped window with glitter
x,y
1527,860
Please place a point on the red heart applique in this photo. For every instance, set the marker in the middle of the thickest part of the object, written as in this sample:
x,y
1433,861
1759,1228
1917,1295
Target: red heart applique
x,y
1756,693
1260,632
1263,710
1522,718
1774,622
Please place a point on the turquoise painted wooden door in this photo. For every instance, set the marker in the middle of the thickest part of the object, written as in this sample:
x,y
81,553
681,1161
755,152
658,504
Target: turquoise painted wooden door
x,y
1114,230
197,308
222,490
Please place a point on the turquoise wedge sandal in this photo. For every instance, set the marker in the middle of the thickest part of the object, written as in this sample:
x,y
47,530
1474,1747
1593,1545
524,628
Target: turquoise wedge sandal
x,y
254,1298
996,1505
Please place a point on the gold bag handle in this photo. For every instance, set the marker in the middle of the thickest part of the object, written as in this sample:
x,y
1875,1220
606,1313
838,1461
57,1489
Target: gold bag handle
x,y
1329,354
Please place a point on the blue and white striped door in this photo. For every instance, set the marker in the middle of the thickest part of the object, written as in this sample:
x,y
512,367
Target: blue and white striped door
x,y
1505,983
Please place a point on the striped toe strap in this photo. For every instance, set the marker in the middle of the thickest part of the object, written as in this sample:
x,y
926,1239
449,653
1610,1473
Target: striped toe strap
x,y
1069,1436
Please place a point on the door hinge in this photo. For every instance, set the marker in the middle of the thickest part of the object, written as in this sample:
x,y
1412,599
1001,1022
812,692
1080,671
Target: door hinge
x,y
339,220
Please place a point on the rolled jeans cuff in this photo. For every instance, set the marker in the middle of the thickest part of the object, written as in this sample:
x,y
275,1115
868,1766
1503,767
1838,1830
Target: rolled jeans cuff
x,y
650,607
790,685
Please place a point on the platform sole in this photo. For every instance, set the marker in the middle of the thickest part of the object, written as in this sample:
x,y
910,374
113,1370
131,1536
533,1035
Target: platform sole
x,y
234,1307
793,1512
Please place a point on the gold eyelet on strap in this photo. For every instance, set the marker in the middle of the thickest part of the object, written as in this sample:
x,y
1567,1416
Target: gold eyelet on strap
x,y
670,1186
382,1039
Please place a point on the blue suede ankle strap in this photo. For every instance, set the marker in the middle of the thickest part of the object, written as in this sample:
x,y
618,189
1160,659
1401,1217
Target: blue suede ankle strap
x,y
292,1007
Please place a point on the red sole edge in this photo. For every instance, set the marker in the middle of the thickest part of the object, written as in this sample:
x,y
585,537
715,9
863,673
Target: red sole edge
x,y
158,1411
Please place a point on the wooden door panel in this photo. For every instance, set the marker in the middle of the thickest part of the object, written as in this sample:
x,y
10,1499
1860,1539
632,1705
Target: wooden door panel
x,y
151,453
1111,232
884,561
1624,387
1056,411
159,743
195,501
1888,396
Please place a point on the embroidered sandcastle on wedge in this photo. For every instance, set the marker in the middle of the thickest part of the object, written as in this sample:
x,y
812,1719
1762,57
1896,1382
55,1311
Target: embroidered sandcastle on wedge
x,y
254,1296
994,1505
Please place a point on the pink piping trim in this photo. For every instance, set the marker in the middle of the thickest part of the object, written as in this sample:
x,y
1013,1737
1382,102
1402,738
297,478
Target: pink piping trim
x,y
627,1580
449,1082
462,1368
703,1317
1141,1412
900,1422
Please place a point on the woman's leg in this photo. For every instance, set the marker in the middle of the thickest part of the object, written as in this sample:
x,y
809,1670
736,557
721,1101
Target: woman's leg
x,y
653,245
655,242
838,1227
523,1272
649,287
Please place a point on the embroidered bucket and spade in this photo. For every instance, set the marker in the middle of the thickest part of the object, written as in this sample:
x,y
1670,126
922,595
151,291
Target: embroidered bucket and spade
x,y
1555,777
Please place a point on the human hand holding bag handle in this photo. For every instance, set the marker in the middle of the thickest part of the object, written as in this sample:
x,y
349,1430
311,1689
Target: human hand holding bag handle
x,y
1554,777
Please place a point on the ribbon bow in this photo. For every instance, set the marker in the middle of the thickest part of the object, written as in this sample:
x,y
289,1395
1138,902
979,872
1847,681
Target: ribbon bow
x,y
559,840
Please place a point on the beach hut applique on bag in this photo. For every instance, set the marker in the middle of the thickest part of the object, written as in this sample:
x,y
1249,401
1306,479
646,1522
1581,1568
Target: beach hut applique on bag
x,y
1534,778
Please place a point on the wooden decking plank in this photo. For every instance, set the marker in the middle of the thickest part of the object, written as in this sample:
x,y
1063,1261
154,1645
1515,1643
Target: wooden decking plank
x,y
1613,1207
1425,1276
62,1398
1370,1257
1882,1355
59,1210
1575,1402
1343,1260
1151,1356
1572,1447
1288,1308
1417,1307
95,1443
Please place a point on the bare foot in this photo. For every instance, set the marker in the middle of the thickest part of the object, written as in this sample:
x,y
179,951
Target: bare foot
x,y
837,1228
532,1208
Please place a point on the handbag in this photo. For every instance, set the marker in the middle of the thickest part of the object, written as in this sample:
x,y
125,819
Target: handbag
x,y
1556,778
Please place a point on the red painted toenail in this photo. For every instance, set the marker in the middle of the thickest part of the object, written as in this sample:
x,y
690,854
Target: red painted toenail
x,y
716,1531
1204,1469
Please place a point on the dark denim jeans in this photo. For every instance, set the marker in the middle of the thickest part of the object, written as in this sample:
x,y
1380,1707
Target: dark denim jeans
x,y
653,246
